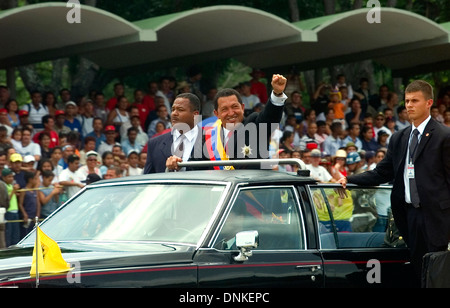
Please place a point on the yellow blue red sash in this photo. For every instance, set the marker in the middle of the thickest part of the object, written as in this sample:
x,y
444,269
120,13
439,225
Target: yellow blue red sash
x,y
214,144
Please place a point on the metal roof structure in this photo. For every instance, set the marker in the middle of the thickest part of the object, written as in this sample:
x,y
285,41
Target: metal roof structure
x,y
202,35
402,41
40,32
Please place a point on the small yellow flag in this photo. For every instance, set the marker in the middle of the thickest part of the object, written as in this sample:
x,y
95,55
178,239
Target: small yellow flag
x,y
49,258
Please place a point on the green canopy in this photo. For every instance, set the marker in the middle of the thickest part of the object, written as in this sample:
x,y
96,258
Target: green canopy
x,y
402,41
40,32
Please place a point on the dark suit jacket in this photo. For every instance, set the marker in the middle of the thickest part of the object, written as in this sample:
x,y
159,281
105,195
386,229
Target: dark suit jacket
x,y
432,173
160,148
255,133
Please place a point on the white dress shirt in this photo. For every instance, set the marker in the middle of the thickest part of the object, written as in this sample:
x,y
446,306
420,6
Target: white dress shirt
x,y
189,141
420,128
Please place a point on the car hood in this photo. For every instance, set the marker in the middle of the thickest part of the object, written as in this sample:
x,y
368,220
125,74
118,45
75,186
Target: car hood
x,y
15,262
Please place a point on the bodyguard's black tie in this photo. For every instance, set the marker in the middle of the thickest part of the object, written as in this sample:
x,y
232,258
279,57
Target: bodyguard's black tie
x,y
414,194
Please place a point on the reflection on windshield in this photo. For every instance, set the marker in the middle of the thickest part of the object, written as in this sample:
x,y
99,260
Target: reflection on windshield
x,y
168,213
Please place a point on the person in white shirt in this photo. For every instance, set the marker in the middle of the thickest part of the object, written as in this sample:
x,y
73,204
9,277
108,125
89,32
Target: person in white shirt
x,y
91,165
27,146
36,110
318,172
250,100
133,159
70,178
4,122
87,118
107,145
403,120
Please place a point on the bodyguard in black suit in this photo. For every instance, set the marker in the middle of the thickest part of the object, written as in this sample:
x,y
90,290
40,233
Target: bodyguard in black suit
x,y
420,170
184,109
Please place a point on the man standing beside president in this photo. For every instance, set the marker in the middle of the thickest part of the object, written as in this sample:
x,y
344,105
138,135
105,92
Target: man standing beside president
x,y
236,137
184,135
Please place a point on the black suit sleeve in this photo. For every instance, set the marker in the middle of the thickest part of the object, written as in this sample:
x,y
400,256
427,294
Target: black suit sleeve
x,y
383,173
270,115
148,168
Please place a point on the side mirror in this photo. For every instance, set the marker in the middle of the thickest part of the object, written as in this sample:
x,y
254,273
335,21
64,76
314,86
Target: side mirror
x,y
245,242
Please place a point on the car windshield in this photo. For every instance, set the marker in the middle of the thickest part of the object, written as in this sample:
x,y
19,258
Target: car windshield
x,y
175,213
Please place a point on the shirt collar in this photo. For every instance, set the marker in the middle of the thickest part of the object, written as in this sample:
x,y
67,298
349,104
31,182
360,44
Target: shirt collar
x,y
422,125
190,135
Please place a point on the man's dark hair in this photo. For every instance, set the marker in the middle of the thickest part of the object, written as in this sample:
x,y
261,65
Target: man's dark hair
x,y
365,129
46,118
43,134
352,125
89,138
321,123
225,93
335,126
194,101
47,173
28,175
27,129
72,158
132,129
400,109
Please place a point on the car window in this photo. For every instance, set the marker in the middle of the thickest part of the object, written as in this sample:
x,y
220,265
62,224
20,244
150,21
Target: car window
x,y
273,212
359,219
169,212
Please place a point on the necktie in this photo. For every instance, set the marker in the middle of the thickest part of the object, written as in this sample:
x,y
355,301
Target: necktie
x,y
180,149
412,181
413,145
230,133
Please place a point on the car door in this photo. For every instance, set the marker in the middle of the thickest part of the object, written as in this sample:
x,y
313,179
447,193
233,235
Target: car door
x,y
359,242
282,258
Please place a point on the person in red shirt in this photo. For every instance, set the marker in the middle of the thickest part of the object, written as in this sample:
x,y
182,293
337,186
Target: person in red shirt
x,y
49,124
119,90
259,88
143,106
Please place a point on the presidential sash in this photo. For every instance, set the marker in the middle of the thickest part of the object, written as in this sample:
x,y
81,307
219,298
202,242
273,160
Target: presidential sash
x,y
215,146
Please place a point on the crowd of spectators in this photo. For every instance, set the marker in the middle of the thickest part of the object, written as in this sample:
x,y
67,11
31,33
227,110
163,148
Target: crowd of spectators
x,y
345,130
54,145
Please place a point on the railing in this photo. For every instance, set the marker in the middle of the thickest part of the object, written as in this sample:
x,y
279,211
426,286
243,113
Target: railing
x,y
263,163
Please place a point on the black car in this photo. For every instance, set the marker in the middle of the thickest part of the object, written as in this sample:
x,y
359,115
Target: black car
x,y
236,228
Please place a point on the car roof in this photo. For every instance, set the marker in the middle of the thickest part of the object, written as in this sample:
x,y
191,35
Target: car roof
x,y
227,176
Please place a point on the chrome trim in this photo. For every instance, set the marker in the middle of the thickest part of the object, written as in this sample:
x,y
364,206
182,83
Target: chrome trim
x,y
156,181
244,162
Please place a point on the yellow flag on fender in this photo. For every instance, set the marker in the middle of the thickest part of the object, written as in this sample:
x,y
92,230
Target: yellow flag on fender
x,y
48,256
